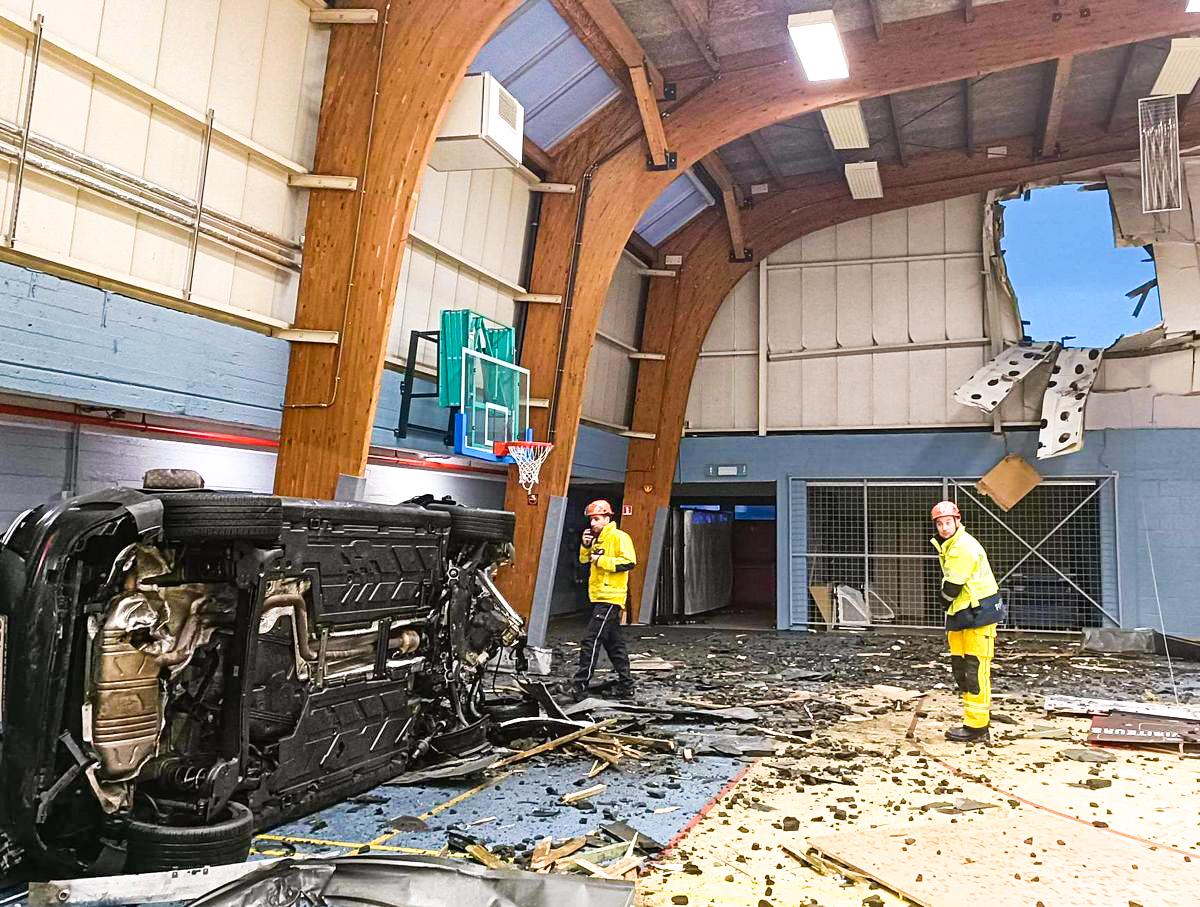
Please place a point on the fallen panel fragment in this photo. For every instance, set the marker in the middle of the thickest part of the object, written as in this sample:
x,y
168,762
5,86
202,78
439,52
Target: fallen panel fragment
x,y
1064,402
1071,705
989,386
401,880
1119,729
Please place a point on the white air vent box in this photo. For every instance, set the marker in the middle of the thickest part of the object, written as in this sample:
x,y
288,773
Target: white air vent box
x,y
482,130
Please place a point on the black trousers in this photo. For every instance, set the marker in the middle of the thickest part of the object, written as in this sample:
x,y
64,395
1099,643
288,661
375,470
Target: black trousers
x,y
603,630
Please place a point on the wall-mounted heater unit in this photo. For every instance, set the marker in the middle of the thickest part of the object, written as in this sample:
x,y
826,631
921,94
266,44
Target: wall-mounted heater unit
x,y
483,128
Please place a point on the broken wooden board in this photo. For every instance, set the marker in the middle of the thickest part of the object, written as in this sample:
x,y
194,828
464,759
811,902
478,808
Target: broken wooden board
x,y
823,596
1019,859
1071,705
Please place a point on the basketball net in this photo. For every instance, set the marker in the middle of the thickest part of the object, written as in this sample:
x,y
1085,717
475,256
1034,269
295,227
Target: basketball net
x,y
529,457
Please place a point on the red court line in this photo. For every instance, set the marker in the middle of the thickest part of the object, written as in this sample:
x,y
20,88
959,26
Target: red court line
x,y
707,808
1004,793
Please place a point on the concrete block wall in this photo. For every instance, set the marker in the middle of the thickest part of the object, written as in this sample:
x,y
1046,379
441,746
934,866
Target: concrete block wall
x,y
1157,511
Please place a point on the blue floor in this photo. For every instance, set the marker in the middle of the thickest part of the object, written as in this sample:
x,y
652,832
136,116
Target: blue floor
x,y
523,806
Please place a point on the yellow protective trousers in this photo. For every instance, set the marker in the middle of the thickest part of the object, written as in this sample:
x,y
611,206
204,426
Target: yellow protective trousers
x,y
971,653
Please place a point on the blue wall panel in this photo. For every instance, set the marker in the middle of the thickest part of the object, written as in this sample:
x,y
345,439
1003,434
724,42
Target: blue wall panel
x,y
1158,492
66,341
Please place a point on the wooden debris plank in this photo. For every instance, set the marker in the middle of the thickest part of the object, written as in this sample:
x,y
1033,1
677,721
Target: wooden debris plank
x,y
1066,863
598,752
697,703
540,851
590,868
551,744
651,743
1074,706
585,794
559,853
482,855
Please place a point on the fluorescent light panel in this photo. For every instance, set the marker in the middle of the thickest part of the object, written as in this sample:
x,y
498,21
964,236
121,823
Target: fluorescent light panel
x,y
1193,6
864,180
1181,69
847,128
819,45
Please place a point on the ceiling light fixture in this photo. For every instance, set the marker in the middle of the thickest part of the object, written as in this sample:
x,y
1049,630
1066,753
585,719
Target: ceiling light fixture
x,y
1181,69
819,45
864,180
847,128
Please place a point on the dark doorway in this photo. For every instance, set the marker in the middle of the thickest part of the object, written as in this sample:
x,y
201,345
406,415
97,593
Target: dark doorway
x,y
718,564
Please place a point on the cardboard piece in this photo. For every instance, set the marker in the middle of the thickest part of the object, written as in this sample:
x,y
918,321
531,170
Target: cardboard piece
x,y
1009,481
823,596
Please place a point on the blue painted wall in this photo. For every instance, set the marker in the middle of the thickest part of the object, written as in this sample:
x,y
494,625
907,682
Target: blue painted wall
x,y
1158,469
65,341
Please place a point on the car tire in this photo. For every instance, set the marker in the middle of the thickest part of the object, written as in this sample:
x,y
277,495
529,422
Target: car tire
x,y
478,525
222,516
153,848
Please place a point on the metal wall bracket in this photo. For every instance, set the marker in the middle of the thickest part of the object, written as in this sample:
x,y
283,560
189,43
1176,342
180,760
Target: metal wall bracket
x,y
671,163
747,256
669,92
322,181
343,16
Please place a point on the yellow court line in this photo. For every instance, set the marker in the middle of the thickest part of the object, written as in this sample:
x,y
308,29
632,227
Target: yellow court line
x,y
441,807
349,845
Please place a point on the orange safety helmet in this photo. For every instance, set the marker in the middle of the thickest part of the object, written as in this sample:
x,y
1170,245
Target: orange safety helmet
x,y
598,508
945,508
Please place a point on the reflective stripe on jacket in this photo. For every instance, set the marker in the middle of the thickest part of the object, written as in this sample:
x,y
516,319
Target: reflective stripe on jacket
x,y
609,580
965,563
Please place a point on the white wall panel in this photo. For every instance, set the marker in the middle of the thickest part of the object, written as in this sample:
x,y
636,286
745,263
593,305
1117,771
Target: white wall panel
x,y
480,219
608,395
905,281
124,82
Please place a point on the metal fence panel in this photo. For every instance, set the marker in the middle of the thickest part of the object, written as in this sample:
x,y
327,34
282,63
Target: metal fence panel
x,y
1052,553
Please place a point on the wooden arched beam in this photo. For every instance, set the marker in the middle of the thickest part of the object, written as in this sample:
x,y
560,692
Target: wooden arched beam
x,y
386,88
912,54
680,313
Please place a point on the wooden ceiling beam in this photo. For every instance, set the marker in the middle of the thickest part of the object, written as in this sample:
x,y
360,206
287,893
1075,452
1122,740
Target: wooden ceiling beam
x,y
1056,102
599,25
731,202
696,23
876,20
897,137
621,39
768,159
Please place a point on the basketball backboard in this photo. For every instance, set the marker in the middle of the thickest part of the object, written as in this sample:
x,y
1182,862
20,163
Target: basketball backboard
x,y
495,406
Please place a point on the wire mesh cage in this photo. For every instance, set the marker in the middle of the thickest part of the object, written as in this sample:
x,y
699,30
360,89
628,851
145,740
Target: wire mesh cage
x,y
873,537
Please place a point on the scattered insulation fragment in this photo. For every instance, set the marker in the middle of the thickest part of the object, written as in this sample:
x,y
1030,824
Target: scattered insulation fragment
x,y
989,386
1063,405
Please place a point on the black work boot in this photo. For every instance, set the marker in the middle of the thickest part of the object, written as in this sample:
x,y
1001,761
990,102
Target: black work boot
x,y
966,734
624,689
578,692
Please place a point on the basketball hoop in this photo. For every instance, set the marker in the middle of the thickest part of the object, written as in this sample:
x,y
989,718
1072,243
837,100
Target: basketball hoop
x,y
529,457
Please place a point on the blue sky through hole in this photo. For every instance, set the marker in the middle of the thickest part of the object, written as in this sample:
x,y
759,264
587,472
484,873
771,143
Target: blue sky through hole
x,y
1068,276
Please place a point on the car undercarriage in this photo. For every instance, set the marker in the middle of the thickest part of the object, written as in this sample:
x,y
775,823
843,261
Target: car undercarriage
x,y
184,668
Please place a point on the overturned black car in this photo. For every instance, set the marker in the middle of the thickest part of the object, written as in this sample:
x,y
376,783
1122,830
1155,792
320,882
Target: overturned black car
x,y
183,668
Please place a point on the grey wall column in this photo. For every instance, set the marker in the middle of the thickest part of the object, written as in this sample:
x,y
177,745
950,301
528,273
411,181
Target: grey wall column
x,y
543,591
653,561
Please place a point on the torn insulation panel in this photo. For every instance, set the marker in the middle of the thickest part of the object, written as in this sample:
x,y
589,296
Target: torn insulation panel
x,y
1063,405
988,387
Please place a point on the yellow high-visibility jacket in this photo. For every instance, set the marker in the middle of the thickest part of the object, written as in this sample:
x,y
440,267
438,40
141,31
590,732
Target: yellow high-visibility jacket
x,y
608,583
965,563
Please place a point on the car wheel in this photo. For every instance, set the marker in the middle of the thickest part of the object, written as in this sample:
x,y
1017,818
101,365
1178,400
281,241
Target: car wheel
x,y
221,516
478,525
153,847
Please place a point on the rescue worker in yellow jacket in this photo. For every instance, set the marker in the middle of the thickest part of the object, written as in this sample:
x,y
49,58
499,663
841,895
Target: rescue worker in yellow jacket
x,y
610,552
973,609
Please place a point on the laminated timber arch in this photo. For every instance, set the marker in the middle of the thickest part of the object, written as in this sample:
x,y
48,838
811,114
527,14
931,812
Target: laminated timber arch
x,y
910,54
386,88
680,314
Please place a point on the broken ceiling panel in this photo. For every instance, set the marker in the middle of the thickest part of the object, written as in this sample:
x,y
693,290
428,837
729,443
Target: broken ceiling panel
x,y
988,387
1131,227
1178,286
1063,405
